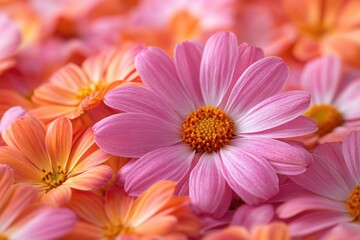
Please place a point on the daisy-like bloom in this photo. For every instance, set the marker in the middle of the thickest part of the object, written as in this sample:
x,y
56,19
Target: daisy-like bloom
x,y
8,44
275,230
21,217
177,21
8,118
334,99
52,159
157,213
208,122
334,184
73,90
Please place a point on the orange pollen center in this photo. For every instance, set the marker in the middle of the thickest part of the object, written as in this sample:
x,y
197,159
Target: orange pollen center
x,y
112,231
326,116
54,178
90,89
207,129
353,204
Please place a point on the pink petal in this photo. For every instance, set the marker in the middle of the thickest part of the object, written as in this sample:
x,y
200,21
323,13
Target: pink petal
x,y
321,77
92,179
343,231
316,221
10,116
187,62
170,163
208,190
274,111
348,101
301,204
351,153
328,176
58,196
248,175
122,134
8,44
158,73
260,81
285,158
141,100
297,127
251,216
48,223
217,66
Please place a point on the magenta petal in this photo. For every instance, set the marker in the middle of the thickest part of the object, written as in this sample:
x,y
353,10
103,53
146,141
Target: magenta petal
x,y
158,73
260,81
328,176
122,134
297,127
217,67
170,163
247,172
209,191
285,158
351,153
140,100
321,78
274,111
251,216
187,61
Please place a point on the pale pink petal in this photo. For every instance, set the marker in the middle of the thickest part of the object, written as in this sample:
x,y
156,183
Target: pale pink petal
x,y
8,44
297,127
122,134
48,223
344,231
316,221
301,204
248,173
351,153
274,111
285,158
142,101
329,172
251,216
321,77
58,141
187,62
217,67
171,163
260,81
158,73
348,101
10,116
58,196
92,179
21,197
209,191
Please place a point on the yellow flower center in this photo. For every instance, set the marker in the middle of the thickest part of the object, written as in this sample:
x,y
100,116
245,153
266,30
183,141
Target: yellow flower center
x,y
54,178
90,89
207,129
353,204
112,231
326,116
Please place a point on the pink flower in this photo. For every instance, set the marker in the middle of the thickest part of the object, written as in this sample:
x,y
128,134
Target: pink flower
x,y
334,98
8,118
208,122
334,182
21,217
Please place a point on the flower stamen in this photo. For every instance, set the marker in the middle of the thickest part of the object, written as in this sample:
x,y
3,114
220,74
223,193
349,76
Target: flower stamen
x,y
207,129
89,89
353,204
54,178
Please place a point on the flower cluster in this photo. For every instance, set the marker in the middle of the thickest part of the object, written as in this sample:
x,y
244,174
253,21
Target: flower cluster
x,y
179,119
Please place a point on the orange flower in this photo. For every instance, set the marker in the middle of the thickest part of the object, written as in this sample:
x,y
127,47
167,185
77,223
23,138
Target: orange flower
x,y
272,231
74,90
52,159
157,212
21,217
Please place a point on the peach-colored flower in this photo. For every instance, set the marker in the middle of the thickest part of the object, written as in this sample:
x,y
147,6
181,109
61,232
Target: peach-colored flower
x,y
73,89
52,159
156,214
272,231
21,217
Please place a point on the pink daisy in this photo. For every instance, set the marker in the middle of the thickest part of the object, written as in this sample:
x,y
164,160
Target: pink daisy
x,y
209,122
334,184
